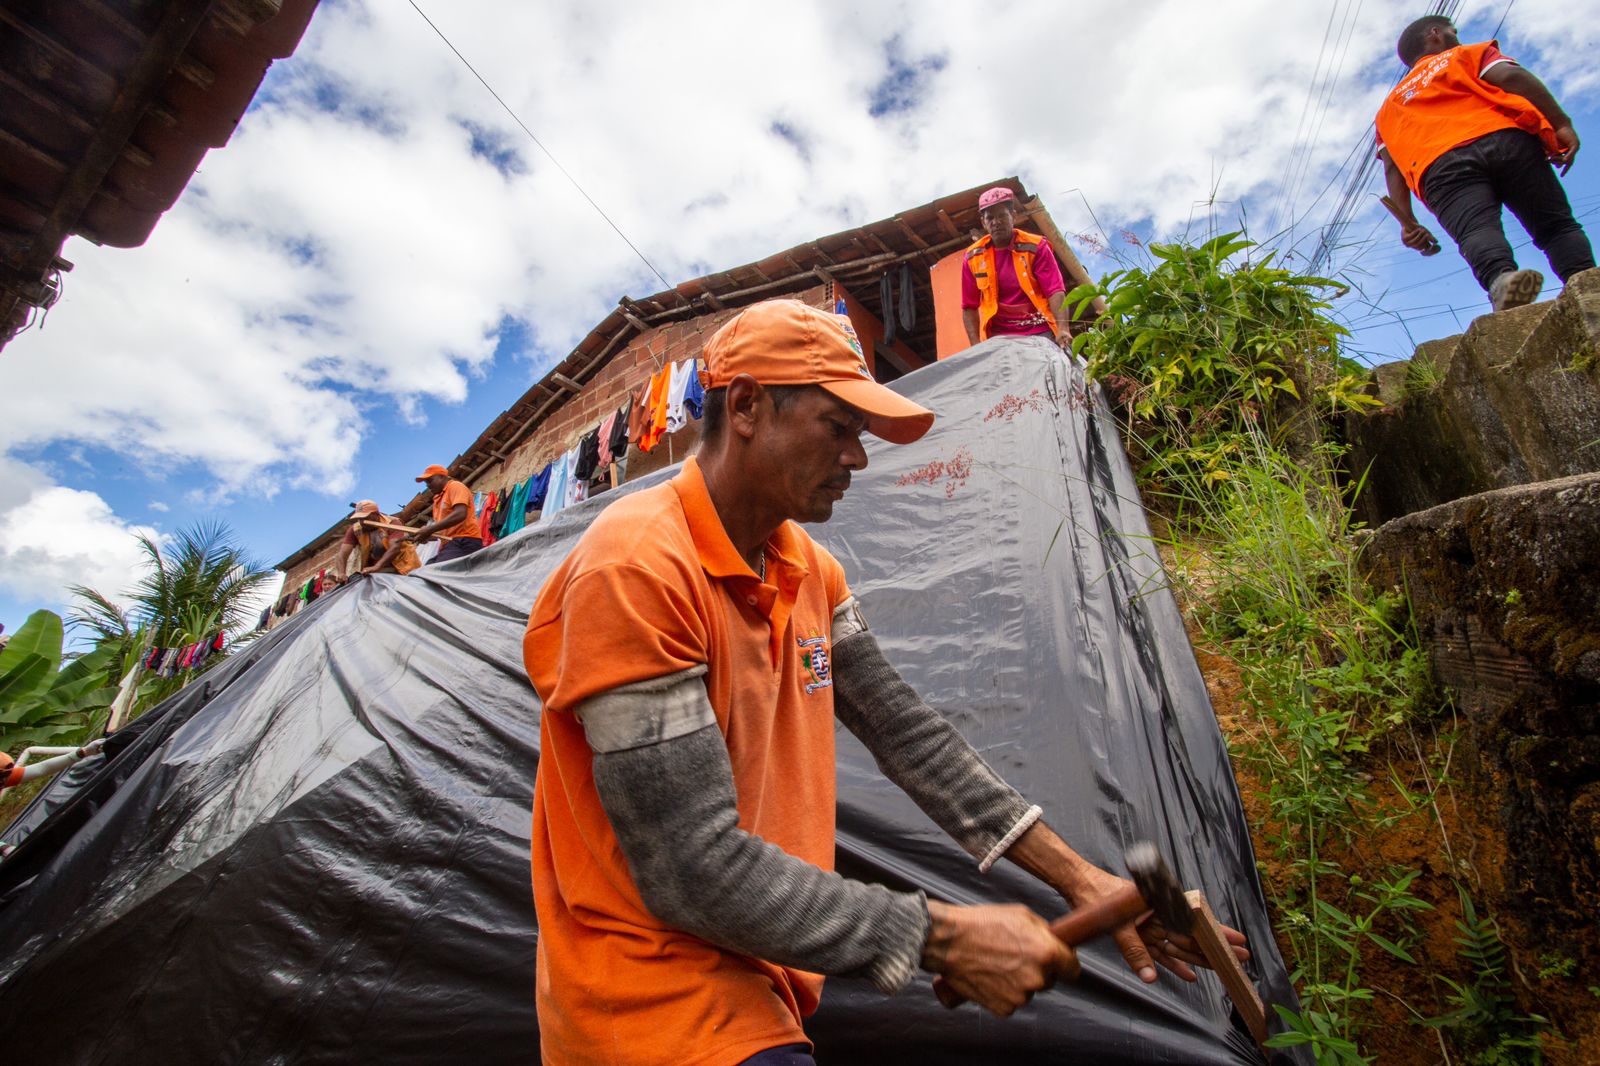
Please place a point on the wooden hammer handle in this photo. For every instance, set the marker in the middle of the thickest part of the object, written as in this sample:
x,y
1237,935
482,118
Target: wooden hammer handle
x,y
1073,928
1101,916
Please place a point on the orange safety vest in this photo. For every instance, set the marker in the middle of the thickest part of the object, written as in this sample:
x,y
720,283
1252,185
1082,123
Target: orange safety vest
x,y
980,260
1443,103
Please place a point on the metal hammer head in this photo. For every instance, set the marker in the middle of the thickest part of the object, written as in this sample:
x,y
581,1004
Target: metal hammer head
x,y
1159,886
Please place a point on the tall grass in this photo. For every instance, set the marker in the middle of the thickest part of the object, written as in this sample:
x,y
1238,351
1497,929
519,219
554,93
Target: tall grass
x,y
1266,558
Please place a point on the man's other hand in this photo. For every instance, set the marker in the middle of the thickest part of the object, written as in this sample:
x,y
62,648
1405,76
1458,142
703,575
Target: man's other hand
x,y
1416,235
1567,138
1145,942
997,955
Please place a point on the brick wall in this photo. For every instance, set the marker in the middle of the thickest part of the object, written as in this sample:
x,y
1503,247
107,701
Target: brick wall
x,y
627,371
623,376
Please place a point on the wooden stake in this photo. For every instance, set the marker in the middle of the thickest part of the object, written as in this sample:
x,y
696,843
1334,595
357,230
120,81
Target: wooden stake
x,y
1208,933
373,523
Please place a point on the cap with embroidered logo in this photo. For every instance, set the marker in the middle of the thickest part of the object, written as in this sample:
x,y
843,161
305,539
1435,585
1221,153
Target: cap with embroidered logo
x,y
786,342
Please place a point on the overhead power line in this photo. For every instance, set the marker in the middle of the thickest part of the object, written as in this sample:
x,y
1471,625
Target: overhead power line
x,y
1350,200
515,118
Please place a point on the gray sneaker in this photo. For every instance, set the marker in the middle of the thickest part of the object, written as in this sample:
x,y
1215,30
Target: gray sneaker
x,y
1515,288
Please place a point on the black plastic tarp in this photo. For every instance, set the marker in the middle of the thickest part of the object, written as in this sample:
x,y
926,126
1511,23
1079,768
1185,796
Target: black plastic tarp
x,y
320,852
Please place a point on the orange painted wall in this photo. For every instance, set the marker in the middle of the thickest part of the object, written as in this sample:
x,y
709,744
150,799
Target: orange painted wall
x,y
951,334
869,327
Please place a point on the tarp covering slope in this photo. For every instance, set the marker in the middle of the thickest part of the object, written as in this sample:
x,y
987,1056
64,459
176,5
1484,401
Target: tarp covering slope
x,y
320,853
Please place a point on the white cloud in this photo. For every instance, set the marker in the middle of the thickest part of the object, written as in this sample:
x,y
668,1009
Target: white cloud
x,y
350,253
158,506
53,537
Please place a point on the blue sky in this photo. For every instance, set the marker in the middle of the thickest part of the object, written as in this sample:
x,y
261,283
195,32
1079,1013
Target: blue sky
x,y
380,262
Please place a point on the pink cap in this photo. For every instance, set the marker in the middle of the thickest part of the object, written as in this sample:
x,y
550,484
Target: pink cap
x,y
997,195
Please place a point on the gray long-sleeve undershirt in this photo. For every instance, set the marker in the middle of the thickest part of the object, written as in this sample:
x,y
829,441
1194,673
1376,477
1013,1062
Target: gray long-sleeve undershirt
x,y
664,779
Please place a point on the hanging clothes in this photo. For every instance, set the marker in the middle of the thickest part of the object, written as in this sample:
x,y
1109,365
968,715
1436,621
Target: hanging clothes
x,y
501,510
638,408
486,518
576,488
588,460
538,491
606,458
677,385
555,496
517,508
655,417
886,302
619,432
694,396
907,309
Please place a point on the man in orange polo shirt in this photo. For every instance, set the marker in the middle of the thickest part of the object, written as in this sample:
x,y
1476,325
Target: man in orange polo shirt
x,y
692,654
453,520
1468,130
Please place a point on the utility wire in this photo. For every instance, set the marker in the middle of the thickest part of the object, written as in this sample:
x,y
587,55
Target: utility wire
x,y
1502,21
1351,198
665,283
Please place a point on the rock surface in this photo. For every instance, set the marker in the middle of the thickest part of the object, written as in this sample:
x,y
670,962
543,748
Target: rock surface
x,y
1513,400
1505,586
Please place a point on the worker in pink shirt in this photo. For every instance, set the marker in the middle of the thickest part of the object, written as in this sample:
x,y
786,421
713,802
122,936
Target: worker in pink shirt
x,y
1021,294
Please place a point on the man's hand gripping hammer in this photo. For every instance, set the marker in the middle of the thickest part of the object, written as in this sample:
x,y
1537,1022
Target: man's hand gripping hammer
x,y
1154,888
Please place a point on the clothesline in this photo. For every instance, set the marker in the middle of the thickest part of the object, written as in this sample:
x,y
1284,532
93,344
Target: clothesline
x,y
168,661
665,404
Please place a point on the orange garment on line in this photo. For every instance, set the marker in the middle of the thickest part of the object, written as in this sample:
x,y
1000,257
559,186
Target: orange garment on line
x,y
980,261
615,985
636,413
455,492
655,417
1444,103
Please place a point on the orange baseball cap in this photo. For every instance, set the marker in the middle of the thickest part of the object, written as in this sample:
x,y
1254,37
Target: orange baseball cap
x,y
432,470
786,342
362,508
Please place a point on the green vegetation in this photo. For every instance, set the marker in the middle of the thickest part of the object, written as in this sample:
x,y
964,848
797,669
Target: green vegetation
x,y
1422,376
46,699
201,583
1200,347
1227,371
1485,1017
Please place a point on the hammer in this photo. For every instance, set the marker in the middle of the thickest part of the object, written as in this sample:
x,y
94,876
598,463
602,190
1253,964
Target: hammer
x,y
1154,888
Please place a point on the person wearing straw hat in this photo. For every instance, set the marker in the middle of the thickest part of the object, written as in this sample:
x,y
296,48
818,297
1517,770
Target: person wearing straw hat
x,y
370,548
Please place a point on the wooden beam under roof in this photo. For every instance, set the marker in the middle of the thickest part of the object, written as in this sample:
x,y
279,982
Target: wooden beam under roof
x,y
179,21
55,47
45,102
906,228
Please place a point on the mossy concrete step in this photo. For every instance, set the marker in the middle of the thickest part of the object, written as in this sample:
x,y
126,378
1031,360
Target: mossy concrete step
x,y
1514,399
1504,588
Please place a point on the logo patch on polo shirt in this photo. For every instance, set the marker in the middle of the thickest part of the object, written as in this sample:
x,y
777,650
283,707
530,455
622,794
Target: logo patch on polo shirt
x,y
814,657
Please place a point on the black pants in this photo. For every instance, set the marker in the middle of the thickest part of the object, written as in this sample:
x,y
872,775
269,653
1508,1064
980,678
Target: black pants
x,y
791,1055
456,547
1465,188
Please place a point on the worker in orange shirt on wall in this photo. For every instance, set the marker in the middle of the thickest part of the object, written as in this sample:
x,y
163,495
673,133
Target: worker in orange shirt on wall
x,y
453,519
1021,294
1468,130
